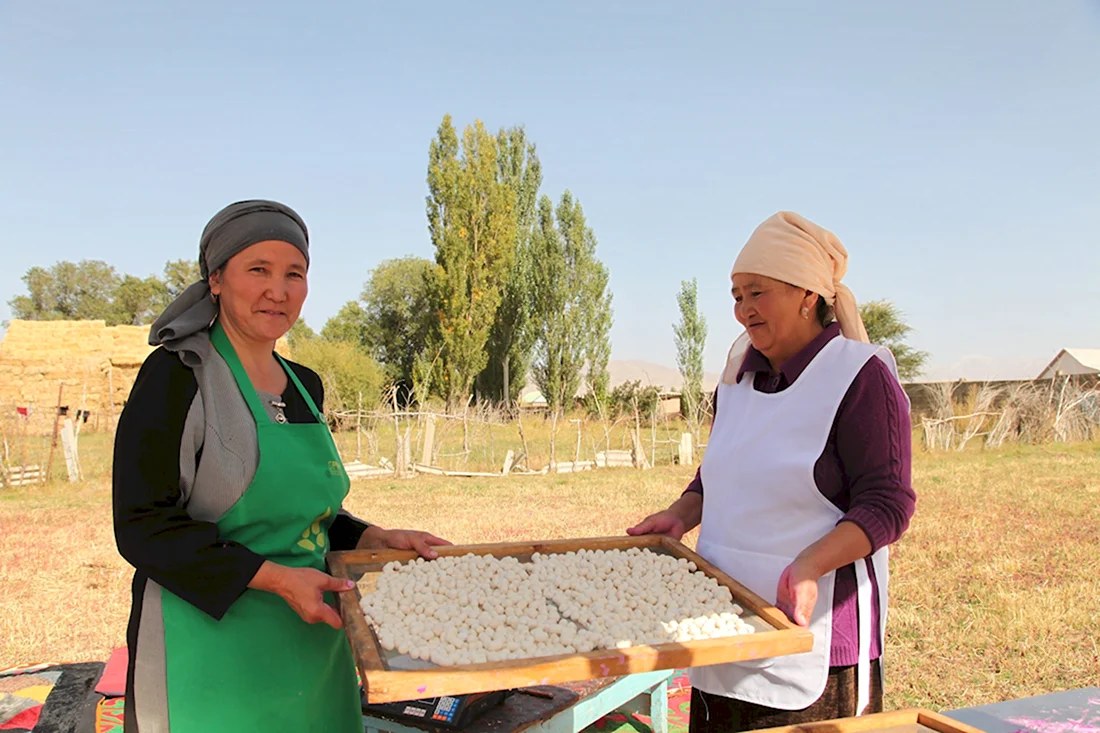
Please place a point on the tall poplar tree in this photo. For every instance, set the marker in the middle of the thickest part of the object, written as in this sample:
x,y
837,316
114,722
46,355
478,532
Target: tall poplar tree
x,y
472,226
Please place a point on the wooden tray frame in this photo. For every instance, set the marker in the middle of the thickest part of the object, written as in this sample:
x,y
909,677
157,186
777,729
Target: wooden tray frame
x,y
385,685
912,720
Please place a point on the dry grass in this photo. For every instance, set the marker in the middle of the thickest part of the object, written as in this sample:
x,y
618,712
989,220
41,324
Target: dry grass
x,y
995,587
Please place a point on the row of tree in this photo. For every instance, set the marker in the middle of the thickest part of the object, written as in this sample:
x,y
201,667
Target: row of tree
x,y
515,290
516,287
94,290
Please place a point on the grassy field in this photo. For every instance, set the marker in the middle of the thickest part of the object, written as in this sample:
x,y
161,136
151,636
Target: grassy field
x,y
994,590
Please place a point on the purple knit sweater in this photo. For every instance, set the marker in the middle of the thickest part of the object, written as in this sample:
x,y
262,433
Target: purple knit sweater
x,y
865,470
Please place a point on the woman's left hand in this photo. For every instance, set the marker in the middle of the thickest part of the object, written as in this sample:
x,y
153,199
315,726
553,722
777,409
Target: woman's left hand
x,y
796,595
403,539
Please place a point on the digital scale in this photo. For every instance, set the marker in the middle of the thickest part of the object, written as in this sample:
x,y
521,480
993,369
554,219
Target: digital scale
x,y
445,712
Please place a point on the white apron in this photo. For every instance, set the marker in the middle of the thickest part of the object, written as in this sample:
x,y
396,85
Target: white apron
x,y
761,508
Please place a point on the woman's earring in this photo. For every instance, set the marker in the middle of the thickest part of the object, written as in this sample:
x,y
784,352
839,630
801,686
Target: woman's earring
x,y
805,312
214,298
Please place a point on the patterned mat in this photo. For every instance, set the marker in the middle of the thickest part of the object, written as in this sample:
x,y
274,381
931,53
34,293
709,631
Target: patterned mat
x,y
46,698
108,715
23,696
679,699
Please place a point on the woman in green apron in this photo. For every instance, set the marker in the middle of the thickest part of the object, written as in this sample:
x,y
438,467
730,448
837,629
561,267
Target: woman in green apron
x,y
227,496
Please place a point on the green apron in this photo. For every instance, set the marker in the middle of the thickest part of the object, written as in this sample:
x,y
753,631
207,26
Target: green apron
x,y
261,668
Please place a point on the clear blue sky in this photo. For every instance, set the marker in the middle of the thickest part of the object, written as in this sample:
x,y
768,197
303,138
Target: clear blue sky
x,y
952,146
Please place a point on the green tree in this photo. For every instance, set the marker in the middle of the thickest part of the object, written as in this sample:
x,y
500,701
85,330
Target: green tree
x,y
691,339
137,301
68,291
299,333
886,326
472,226
630,395
178,275
597,299
349,324
345,369
571,303
510,340
397,315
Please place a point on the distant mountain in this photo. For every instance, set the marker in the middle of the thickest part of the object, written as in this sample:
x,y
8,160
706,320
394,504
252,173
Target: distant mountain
x,y
653,374
979,368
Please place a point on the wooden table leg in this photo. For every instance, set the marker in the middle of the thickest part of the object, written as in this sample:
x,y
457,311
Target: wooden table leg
x,y
658,707
652,702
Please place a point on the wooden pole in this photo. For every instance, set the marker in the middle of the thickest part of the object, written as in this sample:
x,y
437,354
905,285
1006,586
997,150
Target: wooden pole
x,y
56,426
523,439
427,450
68,442
83,402
686,457
359,428
42,457
554,441
5,477
23,420
406,455
110,398
653,433
577,452
466,433
399,466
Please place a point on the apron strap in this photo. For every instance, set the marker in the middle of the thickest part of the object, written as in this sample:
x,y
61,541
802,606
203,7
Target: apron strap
x,y
880,561
301,390
224,347
863,665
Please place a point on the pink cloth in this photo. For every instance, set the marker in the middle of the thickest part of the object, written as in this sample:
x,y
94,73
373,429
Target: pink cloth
x,y
113,681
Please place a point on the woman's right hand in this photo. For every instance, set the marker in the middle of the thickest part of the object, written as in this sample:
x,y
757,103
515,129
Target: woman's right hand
x,y
683,516
666,522
303,590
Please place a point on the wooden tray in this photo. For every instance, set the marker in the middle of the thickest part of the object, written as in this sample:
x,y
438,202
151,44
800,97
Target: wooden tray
x,y
915,720
775,634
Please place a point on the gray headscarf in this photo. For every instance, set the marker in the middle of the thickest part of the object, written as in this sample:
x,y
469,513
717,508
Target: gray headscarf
x,y
232,230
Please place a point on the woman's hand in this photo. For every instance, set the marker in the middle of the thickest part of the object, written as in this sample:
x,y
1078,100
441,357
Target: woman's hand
x,y
676,521
796,595
666,522
303,590
402,539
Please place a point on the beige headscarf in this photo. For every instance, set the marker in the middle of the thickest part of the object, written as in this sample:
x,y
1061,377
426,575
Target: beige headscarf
x,y
791,248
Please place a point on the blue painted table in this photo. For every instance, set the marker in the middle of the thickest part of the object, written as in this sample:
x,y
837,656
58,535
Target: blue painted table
x,y
571,708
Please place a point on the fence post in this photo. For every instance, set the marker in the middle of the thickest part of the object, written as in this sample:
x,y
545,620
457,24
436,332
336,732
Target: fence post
x,y
56,427
359,429
639,450
427,450
110,398
69,444
686,457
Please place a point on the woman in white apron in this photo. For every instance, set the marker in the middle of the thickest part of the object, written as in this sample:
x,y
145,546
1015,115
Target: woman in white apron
x,y
805,482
